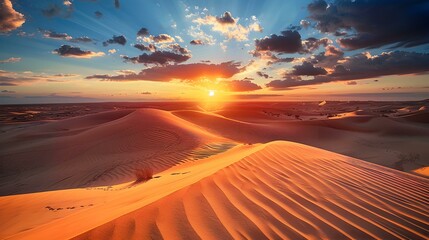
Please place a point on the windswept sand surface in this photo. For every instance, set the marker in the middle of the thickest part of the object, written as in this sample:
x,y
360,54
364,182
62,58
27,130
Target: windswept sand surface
x,y
279,190
74,178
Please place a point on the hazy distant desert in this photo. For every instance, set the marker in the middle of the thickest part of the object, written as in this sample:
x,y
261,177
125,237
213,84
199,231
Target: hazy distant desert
x,y
291,170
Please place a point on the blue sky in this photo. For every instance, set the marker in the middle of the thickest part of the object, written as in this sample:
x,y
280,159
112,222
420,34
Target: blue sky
x,y
32,66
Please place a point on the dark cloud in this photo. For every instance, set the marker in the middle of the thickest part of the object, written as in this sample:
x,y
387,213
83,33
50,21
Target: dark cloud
x,y
312,44
240,85
288,83
116,40
64,36
363,66
81,40
158,58
143,32
226,18
142,47
261,74
117,4
9,18
288,42
55,35
197,42
328,58
185,72
98,14
308,69
372,24
75,52
175,47
162,38
146,93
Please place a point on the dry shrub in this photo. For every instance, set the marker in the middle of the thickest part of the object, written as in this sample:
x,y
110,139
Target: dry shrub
x,y
143,174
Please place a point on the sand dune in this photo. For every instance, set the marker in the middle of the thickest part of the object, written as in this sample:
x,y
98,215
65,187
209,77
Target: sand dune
x,y
285,191
210,185
279,190
376,139
95,150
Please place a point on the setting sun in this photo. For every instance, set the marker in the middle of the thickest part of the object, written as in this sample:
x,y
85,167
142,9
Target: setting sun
x,y
211,93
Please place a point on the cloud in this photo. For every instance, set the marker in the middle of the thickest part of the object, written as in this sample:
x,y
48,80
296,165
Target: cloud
x,y
146,93
11,60
162,38
18,78
311,44
158,58
117,4
229,26
81,40
143,32
175,47
112,51
240,85
56,36
185,72
179,38
75,52
328,58
196,42
288,42
371,24
116,40
261,74
9,18
308,69
98,14
64,36
304,23
363,66
226,19
196,32
142,47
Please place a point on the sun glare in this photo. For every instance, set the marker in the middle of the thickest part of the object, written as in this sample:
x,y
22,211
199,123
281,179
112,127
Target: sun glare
x,y
211,93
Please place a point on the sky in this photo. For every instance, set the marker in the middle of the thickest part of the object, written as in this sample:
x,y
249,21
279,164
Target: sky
x,y
201,50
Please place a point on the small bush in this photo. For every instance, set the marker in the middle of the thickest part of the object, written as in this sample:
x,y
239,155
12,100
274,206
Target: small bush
x,y
143,175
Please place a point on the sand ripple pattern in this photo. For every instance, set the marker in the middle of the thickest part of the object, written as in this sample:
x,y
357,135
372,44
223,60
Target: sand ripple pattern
x,y
285,191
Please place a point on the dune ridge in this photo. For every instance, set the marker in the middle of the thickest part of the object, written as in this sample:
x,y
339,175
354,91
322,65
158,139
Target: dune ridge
x,y
285,191
99,149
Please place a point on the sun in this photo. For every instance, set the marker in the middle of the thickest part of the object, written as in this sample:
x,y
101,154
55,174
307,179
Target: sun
x,y
211,93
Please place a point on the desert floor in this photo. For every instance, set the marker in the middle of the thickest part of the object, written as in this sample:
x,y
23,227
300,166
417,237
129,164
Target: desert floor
x,y
328,170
